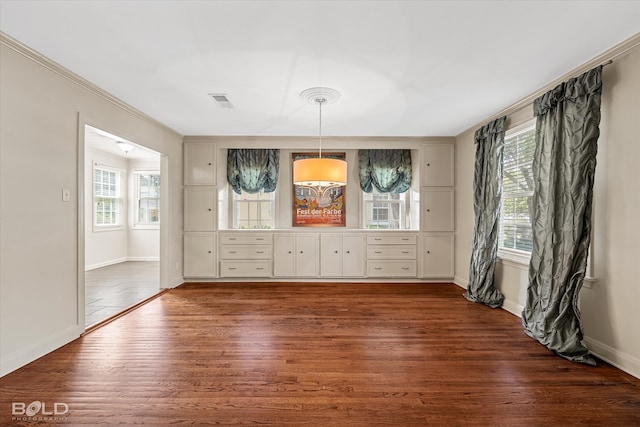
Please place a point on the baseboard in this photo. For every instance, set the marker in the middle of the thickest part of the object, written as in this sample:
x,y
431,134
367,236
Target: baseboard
x,y
19,358
460,281
118,261
620,360
512,307
105,263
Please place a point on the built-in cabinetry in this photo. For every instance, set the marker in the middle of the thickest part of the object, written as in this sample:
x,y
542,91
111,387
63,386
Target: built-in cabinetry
x,y
295,254
342,255
246,254
328,253
200,201
437,211
392,254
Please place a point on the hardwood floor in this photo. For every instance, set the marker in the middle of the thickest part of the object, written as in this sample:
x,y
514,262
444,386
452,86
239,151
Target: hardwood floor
x,y
318,354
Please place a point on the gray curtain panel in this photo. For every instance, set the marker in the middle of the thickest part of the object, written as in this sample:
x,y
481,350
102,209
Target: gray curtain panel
x,y
253,170
487,184
389,171
564,166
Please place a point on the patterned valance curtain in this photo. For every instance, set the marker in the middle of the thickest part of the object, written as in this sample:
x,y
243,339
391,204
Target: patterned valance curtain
x,y
253,170
564,163
487,184
389,171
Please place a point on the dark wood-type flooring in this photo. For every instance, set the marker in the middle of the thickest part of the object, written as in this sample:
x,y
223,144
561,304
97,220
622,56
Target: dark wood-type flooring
x,y
319,354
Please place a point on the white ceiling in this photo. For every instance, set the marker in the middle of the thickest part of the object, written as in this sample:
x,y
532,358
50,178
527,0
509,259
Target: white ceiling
x,y
404,68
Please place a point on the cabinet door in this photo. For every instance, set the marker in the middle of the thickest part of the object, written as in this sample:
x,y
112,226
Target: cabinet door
x,y
353,256
331,255
284,255
199,209
437,165
199,164
307,255
437,209
437,256
199,255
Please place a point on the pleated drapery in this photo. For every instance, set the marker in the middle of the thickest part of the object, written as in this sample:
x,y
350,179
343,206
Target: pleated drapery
x,y
253,170
567,132
487,184
389,171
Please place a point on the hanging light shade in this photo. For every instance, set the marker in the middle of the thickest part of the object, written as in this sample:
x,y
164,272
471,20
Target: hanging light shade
x,y
320,172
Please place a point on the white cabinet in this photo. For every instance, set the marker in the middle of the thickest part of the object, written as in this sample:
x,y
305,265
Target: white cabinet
x,y
341,255
437,165
437,209
200,255
437,258
436,250
246,254
200,209
295,255
199,163
391,255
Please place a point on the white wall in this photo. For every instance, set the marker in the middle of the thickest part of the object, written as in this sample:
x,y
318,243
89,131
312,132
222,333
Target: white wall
x,y
143,242
43,108
609,305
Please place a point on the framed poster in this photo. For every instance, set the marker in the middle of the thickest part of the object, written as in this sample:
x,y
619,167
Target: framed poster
x,y
318,207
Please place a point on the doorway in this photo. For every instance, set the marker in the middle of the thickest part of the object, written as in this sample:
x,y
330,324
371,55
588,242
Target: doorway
x,y
121,224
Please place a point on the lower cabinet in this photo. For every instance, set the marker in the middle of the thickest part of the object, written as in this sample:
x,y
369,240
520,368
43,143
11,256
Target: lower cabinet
x,y
437,256
200,258
392,255
295,255
246,254
342,255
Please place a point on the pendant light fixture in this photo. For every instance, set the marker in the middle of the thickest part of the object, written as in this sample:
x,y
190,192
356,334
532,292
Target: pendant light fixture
x,y
320,172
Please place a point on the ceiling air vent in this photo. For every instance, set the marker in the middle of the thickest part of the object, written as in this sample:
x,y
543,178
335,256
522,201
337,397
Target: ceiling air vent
x,y
221,99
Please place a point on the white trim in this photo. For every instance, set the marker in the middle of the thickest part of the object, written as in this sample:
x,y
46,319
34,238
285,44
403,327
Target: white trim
x,y
462,282
512,307
617,358
514,260
31,352
105,263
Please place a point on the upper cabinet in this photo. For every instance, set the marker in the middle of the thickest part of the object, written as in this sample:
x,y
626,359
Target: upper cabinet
x,y
199,163
437,165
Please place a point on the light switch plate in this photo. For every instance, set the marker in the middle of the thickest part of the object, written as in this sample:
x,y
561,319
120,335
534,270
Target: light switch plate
x,y
66,195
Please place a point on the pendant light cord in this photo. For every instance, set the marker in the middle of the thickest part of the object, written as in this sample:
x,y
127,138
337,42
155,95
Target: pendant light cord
x,y
320,101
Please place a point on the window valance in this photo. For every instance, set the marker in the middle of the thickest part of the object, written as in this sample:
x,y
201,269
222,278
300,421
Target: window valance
x,y
253,170
389,171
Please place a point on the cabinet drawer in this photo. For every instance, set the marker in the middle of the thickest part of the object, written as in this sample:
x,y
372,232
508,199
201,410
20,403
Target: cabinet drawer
x,y
245,239
391,252
391,268
245,268
248,252
391,239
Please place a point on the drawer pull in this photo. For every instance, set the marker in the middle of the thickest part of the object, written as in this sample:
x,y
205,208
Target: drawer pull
x,y
301,252
405,268
405,252
348,252
208,164
428,164
232,268
289,252
428,210
232,252
428,252
209,209
260,238
377,239
377,252
232,238
259,252
377,268
405,238
208,251
335,252
259,268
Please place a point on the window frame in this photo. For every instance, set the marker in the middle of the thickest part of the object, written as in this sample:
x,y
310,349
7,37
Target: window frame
x,y
404,203
118,199
234,207
151,225
511,254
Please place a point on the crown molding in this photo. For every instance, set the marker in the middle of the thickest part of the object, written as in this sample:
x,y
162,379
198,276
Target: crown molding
x,y
609,55
50,65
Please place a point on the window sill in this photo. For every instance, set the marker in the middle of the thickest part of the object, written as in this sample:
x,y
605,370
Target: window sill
x,y
145,227
521,261
100,229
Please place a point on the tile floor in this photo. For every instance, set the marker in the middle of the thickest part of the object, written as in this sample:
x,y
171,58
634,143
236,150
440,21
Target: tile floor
x,y
112,289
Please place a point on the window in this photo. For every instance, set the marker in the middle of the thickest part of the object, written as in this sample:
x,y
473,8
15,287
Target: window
x,y
147,185
253,210
106,196
384,210
517,190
